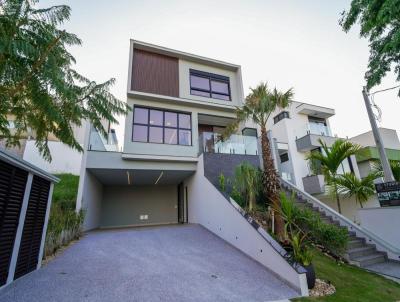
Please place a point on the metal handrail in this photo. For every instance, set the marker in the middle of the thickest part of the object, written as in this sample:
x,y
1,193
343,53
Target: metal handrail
x,y
347,222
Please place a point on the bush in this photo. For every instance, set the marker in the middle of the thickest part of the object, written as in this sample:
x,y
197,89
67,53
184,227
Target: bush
x,y
333,238
65,224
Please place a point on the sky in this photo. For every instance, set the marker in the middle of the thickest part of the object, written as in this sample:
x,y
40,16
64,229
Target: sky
x,y
295,44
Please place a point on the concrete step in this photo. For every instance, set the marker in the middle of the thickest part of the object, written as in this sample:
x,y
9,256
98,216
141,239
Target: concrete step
x,y
364,261
355,243
361,251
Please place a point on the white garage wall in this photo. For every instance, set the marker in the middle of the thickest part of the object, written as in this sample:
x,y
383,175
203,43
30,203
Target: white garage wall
x,y
64,159
208,207
92,196
123,205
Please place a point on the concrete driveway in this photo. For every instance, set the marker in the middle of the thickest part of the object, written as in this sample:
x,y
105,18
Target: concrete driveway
x,y
170,263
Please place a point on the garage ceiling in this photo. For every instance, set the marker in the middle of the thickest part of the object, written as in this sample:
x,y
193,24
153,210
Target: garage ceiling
x,y
140,177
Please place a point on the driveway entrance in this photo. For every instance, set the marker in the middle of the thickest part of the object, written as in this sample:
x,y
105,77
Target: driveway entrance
x,y
168,263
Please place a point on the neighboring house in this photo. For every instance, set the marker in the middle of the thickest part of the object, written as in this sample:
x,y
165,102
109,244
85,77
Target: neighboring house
x,y
64,158
295,132
167,171
368,157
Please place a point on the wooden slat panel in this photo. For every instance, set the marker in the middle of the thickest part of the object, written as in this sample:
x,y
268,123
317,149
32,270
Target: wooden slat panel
x,y
33,227
12,187
155,73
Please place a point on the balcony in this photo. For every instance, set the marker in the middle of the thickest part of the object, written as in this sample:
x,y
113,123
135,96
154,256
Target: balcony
x,y
210,142
98,142
307,138
314,184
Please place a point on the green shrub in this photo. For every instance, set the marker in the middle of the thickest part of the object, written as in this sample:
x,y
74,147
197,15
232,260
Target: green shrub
x,y
222,182
331,237
65,224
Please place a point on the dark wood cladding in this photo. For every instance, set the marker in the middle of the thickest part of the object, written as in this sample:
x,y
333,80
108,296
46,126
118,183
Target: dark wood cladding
x,y
155,73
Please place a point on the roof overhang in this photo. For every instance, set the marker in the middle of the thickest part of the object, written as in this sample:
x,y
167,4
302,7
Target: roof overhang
x,y
315,111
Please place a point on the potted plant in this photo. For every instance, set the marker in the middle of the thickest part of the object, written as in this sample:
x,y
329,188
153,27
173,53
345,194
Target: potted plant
x,y
303,255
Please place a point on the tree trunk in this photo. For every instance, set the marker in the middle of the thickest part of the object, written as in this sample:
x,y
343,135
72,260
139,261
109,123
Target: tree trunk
x,y
338,200
271,182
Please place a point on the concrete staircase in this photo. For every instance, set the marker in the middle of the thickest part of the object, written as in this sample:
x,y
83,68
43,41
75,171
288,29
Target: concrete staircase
x,y
358,252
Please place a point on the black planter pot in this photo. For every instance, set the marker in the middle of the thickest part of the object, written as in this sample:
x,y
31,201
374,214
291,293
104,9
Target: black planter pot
x,y
310,274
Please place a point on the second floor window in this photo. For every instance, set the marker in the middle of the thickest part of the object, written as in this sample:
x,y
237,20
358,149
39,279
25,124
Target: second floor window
x,y
209,85
281,116
161,126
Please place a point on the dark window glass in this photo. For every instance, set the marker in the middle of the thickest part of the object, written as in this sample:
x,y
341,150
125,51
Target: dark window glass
x,y
284,157
164,127
249,132
200,93
209,85
170,136
220,96
171,119
156,117
185,137
184,121
139,133
141,116
220,87
156,135
199,82
281,116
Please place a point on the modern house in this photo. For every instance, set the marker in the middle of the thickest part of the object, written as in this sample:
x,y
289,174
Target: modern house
x,y
167,171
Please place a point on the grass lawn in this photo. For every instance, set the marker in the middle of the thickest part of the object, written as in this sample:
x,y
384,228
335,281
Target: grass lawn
x,y
352,283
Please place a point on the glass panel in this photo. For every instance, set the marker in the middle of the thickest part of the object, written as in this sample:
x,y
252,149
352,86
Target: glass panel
x,y
200,93
184,121
220,96
219,87
235,144
139,133
156,117
170,136
199,82
185,137
171,119
141,116
156,135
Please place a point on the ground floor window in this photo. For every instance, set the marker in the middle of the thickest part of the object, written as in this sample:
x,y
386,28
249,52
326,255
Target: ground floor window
x,y
161,126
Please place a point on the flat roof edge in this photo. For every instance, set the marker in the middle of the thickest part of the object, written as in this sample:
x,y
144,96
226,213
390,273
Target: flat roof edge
x,y
24,165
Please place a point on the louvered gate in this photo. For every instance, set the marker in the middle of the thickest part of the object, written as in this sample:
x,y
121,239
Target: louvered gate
x,y
33,227
12,188
25,197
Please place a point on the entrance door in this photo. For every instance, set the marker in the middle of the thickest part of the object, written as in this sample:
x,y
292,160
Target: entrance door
x,y
182,204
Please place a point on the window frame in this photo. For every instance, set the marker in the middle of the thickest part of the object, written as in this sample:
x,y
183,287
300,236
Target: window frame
x,y
211,77
163,127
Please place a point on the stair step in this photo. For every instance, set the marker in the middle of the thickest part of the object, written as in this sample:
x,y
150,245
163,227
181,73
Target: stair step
x,y
364,261
361,251
354,243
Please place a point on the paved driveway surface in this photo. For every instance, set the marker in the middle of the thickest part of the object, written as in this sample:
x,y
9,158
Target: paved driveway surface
x,y
171,263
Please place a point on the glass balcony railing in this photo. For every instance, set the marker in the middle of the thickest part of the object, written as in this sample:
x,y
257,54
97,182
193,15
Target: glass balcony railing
x,y
98,142
314,128
210,142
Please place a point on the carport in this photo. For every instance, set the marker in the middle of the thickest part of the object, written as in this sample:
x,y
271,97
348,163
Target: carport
x,y
134,197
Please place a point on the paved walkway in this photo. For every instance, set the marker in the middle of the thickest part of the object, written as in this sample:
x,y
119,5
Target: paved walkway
x,y
174,263
388,268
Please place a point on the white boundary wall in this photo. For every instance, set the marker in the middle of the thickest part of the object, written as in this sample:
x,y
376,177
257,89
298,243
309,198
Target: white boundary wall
x,y
64,158
208,207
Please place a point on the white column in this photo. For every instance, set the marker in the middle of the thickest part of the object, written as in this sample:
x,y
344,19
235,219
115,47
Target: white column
x,y
20,228
46,221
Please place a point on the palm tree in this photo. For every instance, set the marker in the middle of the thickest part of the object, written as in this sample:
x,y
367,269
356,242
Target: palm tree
x,y
247,182
350,185
331,159
394,165
259,105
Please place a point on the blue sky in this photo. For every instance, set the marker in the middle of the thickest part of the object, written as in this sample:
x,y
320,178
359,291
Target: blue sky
x,y
295,44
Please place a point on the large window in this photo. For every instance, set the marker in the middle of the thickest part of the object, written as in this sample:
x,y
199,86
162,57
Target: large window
x,y
209,85
281,116
161,127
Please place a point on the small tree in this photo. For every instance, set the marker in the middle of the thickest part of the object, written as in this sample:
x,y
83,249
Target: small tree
x,y
259,105
247,181
350,185
38,85
394,165
331,159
